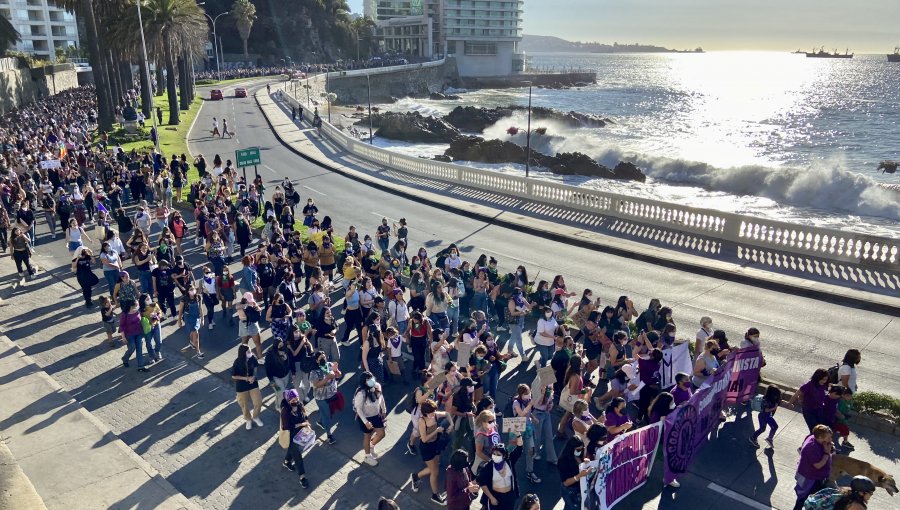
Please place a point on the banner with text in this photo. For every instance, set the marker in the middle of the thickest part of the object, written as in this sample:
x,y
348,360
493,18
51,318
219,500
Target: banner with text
x,y
677,359
687,428
745,367
622,466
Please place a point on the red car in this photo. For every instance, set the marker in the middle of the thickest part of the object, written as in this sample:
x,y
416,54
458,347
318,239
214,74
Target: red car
x,y
240,92
216,95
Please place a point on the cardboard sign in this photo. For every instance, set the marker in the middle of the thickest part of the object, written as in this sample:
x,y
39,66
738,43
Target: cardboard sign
x,y
516,425
393,367
49,164
436,381
463,352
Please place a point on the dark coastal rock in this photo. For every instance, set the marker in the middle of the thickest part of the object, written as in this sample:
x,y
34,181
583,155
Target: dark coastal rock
x,y
442,158
472,119
438,96
412,127
629,171
475,148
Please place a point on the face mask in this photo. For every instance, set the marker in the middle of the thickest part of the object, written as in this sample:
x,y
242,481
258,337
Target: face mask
x,y
672,406
471,390
370,383
322,363
754,339
714,352
479,358
249,354
453,255
497,458
578,452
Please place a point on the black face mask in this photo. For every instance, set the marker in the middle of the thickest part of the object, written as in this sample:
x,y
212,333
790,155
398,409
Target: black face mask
x,y
714,352
321,362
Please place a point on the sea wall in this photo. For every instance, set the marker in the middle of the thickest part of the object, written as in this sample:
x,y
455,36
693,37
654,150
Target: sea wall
x,y
20,85
549,80
352,87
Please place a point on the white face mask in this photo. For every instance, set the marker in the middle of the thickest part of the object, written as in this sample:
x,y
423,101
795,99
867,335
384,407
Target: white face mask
x,y
497,458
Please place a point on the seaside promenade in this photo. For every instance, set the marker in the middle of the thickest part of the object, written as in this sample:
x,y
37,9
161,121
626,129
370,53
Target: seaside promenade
x,y
182,419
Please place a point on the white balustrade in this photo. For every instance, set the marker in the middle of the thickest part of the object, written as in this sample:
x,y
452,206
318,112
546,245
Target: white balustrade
x,y
824,243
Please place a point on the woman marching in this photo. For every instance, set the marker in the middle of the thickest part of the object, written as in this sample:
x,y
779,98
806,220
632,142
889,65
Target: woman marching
x,y
189,314
293,419
368,402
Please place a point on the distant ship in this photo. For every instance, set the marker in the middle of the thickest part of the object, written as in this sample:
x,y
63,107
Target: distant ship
x,y
821,53
895,56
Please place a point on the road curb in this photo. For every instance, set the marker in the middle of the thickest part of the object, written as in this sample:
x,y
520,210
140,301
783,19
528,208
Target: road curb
x,y
738,275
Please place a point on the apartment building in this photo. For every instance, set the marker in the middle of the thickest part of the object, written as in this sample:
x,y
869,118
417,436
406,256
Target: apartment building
x,y
42,26
483,35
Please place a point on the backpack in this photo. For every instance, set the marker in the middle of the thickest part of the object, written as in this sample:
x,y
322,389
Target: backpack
x,y
825,499
65,208
145,325
833,374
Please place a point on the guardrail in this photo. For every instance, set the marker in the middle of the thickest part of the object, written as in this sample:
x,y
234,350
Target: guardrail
x,y
383,70
823,243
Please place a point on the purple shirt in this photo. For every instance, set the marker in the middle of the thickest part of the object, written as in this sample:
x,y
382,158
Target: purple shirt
x,y
614,419
681,394
648,371
814,396
811,453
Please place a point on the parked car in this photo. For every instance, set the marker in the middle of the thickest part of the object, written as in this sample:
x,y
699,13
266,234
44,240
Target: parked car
x,y
216,95
240,92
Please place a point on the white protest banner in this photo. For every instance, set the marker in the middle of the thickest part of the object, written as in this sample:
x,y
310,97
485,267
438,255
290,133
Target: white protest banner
x,y
622,466
48,164
675,360
514,424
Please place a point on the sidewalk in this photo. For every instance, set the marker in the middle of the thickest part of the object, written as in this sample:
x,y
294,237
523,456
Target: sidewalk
x,y
70,458
780,271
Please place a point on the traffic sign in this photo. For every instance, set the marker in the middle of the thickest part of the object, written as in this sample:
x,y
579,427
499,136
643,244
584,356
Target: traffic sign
x,y
247,157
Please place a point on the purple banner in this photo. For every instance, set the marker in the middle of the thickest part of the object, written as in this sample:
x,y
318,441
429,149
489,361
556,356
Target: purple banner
x,y
688,427
745,367
622,466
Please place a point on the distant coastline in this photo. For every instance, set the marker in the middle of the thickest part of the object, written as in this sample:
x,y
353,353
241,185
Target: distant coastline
x,y
550,44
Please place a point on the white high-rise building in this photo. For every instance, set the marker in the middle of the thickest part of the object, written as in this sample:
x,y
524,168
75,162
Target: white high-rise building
x,y
42,26
483,35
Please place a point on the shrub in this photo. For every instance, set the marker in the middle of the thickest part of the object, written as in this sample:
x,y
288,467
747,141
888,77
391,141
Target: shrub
x,y
870,402
206,82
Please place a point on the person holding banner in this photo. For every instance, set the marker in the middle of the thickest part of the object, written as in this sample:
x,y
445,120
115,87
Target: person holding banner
x,y
617,420
570,473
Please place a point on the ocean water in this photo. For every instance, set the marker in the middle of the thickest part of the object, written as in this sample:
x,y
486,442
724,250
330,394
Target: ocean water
x,y
775,135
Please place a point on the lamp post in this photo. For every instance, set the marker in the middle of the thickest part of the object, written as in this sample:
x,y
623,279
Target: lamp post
x,y
215,42
528,135
147,63
369,93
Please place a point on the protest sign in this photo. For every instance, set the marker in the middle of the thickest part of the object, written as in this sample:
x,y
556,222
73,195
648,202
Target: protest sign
x,y
48,164
514,424
677,359
463,352
687,428
746,363
622,466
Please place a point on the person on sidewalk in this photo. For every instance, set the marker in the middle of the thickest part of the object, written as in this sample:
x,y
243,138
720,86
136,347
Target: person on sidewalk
x,y
767,416
84,274
371,411
293,419
189,314
324,382
243,372
814,466
20,249
130,328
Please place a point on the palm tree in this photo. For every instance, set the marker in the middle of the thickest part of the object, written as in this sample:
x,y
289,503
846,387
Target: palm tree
x,y
85,10
244,14
8,34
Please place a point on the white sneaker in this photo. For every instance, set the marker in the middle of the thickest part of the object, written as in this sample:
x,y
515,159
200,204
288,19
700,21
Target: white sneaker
x,y
258,422
372,451
248,425
212,325
371,460
674,484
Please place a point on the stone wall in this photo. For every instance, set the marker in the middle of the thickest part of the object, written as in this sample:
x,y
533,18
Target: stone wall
x,y
20,85
352,87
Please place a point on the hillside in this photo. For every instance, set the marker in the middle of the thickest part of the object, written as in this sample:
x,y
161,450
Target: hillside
x,y
546,43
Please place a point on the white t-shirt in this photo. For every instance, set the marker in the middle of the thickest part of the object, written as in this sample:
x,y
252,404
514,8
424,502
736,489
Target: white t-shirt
x,y
399,311
396,350
547,328
851,371
112,258
702,335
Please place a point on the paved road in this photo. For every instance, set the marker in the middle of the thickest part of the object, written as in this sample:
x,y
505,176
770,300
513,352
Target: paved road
x,y
183,420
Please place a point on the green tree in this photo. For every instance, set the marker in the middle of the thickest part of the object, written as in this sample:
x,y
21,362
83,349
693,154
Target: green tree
x,y
244,14
8,34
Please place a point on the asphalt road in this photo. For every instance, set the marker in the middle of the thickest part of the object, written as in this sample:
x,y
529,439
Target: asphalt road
x,y
799,334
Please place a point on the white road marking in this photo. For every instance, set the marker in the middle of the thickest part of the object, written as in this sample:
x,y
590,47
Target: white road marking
x,y
383,216
738,497
315,191
271,169
513,257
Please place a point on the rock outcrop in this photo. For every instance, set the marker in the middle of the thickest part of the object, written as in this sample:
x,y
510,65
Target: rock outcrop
x,y
475,148
475,120
438,96
412,127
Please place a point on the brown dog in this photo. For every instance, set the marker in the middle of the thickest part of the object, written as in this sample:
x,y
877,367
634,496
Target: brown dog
x,y
842,464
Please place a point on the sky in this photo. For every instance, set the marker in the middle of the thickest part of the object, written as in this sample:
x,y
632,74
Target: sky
x,y
868,26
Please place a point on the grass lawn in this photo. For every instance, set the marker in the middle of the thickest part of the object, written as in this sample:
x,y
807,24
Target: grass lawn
x,y
172,139
219,83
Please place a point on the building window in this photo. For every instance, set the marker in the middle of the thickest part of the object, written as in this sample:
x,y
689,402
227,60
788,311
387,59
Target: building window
x,y
480,48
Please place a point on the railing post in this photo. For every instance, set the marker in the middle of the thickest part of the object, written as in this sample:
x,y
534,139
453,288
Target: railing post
x,y
529,189
732,231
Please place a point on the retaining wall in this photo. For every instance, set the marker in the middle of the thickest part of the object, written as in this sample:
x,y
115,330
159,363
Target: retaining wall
x,y
20,85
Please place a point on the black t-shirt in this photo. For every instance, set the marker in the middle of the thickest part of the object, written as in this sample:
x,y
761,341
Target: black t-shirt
x,y
182,275
26,217
245,369
163,279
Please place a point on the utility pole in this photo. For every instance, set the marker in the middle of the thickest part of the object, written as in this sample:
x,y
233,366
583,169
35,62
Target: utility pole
x,y
528,136
147,62
369,92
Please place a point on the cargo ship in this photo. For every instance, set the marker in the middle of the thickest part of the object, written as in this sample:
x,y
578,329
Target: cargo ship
x,y
895,56
821,53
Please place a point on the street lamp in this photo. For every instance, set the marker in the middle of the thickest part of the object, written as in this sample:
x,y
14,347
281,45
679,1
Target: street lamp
x,y
528,135
147,63
215,38
369,92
